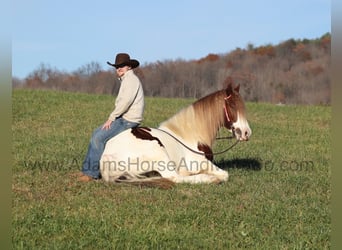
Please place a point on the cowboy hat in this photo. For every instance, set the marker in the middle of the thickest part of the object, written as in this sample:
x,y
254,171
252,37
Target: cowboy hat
x,y
123,59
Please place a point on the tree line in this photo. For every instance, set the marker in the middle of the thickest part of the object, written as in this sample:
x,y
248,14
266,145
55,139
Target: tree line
x,y
292,72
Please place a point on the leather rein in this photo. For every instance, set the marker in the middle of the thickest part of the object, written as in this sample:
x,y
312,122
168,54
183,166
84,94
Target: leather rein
x,y
218,138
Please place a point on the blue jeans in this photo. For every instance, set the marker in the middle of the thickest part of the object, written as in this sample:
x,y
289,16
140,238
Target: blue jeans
x,y
91,163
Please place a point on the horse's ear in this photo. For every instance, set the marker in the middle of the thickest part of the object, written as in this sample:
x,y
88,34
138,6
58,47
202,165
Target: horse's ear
x,y
237,88
229,85
229,89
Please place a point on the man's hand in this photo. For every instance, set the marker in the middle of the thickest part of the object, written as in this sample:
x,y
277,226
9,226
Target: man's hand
x,y
106,126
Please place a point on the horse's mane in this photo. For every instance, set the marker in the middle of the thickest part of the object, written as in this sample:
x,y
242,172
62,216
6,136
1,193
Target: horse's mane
x,y
200,121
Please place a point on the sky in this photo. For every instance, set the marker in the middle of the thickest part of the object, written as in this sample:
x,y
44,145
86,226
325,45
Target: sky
x,y
68,34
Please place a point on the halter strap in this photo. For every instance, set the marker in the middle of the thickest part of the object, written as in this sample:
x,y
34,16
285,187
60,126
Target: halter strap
x,y
225,108
227,97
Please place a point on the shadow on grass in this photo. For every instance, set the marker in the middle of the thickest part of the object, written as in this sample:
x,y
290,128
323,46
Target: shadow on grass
x,y
243,164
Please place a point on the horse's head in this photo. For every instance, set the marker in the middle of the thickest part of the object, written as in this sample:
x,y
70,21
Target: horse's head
x,y
235,115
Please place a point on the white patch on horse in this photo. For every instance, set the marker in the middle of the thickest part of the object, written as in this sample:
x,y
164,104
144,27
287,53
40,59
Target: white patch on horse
x,y
242,129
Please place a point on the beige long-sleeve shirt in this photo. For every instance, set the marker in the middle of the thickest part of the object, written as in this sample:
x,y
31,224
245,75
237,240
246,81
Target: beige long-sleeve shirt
x,y
130,100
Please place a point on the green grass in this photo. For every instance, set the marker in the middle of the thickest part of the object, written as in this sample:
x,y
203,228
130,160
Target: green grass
x,y
277,197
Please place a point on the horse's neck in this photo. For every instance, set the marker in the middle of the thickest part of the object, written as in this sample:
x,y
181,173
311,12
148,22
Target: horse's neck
x,y
194,124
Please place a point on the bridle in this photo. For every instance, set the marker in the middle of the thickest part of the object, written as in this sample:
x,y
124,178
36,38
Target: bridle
x,y
226,99
219,138
225,107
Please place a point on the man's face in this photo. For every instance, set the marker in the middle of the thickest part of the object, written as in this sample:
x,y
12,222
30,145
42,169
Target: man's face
x,y
120,71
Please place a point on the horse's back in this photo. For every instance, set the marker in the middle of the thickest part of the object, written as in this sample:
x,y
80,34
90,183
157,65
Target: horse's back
x,y
134,142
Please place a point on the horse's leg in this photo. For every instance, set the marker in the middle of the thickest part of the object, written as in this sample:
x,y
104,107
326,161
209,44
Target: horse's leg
x,y
216,171
190,174
195,179
200,170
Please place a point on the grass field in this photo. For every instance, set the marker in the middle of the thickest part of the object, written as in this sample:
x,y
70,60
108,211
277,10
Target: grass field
x,y
277,197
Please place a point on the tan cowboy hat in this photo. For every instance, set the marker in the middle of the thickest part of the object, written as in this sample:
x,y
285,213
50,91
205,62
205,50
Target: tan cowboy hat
x,y
123,59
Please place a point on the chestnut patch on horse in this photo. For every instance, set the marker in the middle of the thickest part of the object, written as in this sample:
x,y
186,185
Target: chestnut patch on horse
x,y
206,150
143,133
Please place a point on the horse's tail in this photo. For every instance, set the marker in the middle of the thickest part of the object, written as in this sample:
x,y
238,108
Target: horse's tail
x,y
149,179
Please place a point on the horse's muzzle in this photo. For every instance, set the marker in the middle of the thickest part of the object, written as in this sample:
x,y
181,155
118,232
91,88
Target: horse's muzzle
x,y
242,135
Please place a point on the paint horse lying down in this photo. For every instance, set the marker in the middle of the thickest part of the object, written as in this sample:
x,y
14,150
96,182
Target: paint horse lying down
x,y
179,150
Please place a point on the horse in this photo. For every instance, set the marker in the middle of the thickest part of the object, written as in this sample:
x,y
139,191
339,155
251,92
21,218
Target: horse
x,y
180,149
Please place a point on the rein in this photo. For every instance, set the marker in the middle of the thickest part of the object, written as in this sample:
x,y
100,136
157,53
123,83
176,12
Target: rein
x,y
198,152
219,138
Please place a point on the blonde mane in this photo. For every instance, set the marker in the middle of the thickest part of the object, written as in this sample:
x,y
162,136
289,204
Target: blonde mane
x,y
199,122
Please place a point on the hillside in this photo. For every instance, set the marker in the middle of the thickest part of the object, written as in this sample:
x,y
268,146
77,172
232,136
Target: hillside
x,y
292,72
278,195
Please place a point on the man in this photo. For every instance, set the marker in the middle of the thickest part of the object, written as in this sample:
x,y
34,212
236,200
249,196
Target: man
x,y
128,113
